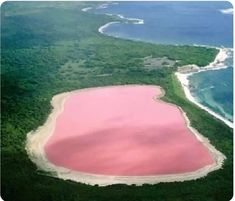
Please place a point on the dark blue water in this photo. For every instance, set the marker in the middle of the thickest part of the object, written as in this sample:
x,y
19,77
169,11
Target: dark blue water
x,y
185,23
174,22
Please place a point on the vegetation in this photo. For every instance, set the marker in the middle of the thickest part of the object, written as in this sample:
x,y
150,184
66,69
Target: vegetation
x,y
51,47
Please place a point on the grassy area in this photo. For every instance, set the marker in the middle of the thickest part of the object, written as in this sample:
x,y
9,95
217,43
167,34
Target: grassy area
x,y
48,48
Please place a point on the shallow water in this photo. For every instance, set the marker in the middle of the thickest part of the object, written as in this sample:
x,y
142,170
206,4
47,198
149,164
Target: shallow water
x,y
215,89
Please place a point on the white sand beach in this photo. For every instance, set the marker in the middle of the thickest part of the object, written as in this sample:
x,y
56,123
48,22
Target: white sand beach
x,y
132,20
102,28
128,20
217,64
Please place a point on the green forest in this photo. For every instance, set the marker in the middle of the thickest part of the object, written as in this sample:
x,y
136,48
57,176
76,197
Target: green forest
x,y
52,47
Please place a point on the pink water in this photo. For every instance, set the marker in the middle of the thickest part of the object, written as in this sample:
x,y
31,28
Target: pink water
x,y
123,131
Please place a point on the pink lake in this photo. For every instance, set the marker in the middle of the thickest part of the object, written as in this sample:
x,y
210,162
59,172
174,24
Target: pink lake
x,y
124,131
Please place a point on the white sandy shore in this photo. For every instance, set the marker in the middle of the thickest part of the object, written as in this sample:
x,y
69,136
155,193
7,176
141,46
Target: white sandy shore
x,y
131,20
37,139
217,64
105,5
102,28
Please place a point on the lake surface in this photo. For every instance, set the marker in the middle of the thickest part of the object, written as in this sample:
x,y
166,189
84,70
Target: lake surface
x,y
201,23
127,139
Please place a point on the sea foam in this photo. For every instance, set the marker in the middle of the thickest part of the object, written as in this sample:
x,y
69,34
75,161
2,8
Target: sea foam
x,y
86,9
227,11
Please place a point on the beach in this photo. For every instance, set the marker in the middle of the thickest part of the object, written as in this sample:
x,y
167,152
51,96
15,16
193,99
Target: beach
x,y
128,20
102,28
37,139
96,113
217,64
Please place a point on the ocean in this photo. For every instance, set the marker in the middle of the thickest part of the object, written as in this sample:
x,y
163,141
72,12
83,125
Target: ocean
x,y
183,23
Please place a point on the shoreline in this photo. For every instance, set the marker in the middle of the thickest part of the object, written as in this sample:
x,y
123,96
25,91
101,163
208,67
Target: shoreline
x,y
106,5
136,21
102,28
131,19
217,64
37,139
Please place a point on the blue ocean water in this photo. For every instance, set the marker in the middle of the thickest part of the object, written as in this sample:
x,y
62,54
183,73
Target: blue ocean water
x,y
202,23
214,89
174,22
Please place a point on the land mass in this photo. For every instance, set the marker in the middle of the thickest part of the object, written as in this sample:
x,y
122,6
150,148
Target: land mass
x,y
49,48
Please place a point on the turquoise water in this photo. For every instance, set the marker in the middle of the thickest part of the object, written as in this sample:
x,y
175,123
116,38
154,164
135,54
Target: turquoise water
x,y
181,23
214,89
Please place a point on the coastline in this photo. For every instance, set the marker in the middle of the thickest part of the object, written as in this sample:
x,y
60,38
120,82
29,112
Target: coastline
x,y
132,20
126,19
136,21
37,139
102,28
217,64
